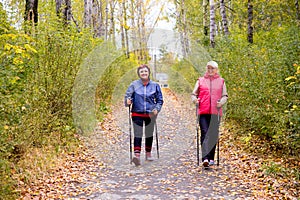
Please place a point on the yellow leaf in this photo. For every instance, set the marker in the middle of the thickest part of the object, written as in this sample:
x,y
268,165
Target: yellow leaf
x,y
291,77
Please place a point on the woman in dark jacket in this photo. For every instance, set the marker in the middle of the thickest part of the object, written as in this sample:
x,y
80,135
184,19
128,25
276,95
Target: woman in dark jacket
x,y
146,99
210,94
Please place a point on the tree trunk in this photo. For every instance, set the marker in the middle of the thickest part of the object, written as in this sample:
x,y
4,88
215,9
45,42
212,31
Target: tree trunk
x,y
297,10
141,30
112,21
87,16
224,18
125,29
93,17
212,23
97,18
63,9
182,27
134,35
106,20
250,19
31,13
205,16
122,25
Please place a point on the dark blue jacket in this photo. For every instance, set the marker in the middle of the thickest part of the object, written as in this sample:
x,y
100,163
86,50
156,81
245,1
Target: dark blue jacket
x,y
146,98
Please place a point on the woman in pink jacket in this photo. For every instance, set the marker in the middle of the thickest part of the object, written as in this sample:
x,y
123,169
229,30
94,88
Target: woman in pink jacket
x,y
210,93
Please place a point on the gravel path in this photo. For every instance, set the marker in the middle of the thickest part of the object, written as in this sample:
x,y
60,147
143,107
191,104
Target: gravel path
x,y
175,175
102,169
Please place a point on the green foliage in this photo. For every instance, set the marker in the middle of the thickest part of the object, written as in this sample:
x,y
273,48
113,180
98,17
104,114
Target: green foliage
x,y
183,77
273,169
37,74
260,91
109,81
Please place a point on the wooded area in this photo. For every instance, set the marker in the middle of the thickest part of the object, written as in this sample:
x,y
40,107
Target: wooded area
x,y
44,43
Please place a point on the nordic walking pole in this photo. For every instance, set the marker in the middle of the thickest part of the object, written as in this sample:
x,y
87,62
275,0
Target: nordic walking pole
x,y
130,139
156,135
197,130
218,144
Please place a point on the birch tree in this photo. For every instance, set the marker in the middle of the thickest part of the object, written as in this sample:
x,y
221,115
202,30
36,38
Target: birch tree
x,y
93,17
182,26
212,23
124,28
141,30
224,18
112,5
87,15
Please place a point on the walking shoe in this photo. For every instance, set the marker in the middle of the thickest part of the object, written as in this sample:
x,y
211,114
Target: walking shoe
x,y
211,162
149,157
205,163
136,161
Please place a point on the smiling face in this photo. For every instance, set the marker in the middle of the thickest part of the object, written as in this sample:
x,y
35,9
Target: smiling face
x,y
211,70
144,73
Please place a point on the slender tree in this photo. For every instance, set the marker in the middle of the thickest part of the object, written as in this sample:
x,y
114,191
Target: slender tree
x,y
97,18
31,13
63,9
212,23
93,17
205,16
124,28
250,19
297,9
224,18
87,16
112,5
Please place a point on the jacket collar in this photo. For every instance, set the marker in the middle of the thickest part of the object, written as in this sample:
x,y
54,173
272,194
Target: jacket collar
x,y
206,75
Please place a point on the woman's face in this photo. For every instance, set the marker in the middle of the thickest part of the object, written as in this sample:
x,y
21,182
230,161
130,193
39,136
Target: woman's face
x,y
144,74
211,70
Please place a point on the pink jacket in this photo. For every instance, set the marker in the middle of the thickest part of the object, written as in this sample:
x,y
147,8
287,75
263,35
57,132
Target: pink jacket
x,y
210,91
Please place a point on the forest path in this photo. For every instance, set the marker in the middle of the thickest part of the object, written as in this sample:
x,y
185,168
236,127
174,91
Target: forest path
x,y
102,169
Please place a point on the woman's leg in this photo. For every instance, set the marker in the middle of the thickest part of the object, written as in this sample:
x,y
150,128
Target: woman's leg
x,y
213,134
138,134
204,121
149,128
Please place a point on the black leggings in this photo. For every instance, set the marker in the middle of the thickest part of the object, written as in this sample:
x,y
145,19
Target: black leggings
x,y
138,125
209,126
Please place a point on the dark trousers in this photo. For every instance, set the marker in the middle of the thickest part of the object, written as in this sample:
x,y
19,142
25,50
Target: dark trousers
x,y
139,123
209,126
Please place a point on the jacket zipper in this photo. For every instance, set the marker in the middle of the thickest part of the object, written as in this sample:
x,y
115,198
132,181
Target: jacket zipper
x,y
145,106
210,96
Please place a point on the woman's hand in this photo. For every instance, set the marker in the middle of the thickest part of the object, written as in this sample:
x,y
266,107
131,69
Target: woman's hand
x,y
128,101
155,112
219,105
196,101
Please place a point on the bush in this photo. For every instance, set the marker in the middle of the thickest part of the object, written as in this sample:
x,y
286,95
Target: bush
x,y
257,86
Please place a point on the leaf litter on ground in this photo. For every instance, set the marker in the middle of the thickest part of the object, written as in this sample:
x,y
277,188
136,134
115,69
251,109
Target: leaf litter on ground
x,y
93,173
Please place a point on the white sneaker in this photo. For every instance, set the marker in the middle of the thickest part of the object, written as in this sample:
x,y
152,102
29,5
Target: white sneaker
x,y
149,157
211,162
205,163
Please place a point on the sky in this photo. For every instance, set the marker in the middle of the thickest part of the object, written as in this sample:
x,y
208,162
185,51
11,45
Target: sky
x,y
162,24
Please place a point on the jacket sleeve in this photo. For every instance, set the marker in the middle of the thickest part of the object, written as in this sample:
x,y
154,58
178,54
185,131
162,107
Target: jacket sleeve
x,y
195,92
224,97
159,98
129,94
